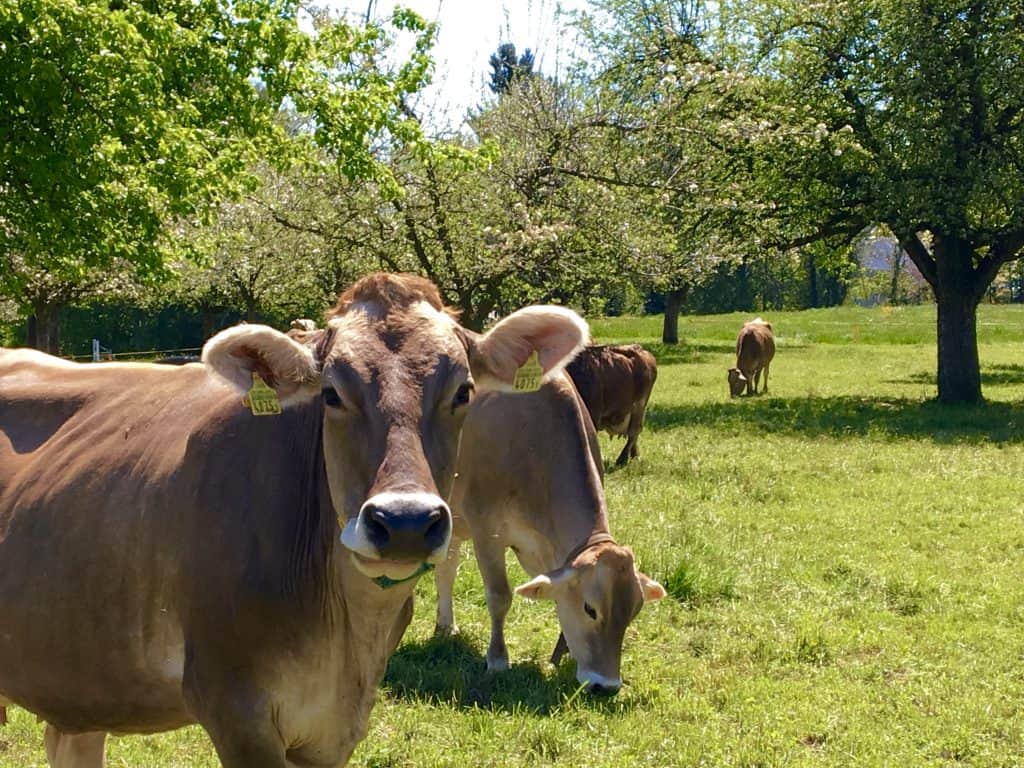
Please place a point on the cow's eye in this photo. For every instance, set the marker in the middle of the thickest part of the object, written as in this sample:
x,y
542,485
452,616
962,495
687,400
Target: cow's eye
x,y
331,397
589,610
462,396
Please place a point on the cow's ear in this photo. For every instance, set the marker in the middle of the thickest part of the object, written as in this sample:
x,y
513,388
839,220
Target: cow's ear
x,y
652,590
284,364
547,586
556,334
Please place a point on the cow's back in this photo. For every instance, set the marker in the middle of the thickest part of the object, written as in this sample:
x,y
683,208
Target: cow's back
x,y
93,495
755,345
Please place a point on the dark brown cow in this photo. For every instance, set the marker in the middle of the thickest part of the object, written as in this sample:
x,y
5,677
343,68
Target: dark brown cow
x,y
755,348
169,557
615,382
529,479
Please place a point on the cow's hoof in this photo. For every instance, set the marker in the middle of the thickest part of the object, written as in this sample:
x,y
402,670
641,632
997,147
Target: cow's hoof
x,y
497,665
450,631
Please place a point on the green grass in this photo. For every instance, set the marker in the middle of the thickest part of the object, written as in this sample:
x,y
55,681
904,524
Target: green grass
x,y
845,563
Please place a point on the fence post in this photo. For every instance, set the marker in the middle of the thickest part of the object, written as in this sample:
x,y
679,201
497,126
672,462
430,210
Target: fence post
x,y
95,350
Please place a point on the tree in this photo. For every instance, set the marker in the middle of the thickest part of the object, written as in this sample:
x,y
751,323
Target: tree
x,y
249,261
905,113
118,119
507,70
666,108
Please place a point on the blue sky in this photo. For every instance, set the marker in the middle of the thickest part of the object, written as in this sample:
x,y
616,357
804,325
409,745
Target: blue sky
x,y
469,31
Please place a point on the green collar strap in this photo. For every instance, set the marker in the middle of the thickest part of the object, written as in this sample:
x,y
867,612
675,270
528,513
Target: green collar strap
x,y
386,582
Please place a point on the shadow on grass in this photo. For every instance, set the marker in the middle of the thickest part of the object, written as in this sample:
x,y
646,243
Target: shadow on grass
x,y
451,671
851,416
1000,374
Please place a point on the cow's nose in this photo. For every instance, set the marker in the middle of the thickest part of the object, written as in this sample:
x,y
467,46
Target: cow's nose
x,y
407,526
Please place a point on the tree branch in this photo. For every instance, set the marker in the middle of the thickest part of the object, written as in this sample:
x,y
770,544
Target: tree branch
x,y
918,254
835,227
1007,247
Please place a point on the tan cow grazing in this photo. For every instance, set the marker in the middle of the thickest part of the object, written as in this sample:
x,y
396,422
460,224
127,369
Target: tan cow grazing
x,y
529,479
755,348
615,382
168,557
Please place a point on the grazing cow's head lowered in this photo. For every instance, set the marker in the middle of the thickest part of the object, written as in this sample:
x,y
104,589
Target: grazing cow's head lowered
x,y
597,594
395,372
737,382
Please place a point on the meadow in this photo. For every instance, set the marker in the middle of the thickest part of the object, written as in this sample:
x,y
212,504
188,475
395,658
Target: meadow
x,y
844,559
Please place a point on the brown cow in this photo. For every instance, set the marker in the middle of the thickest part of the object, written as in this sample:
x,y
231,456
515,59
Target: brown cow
x,y
529,479
615,382
755,348
169,557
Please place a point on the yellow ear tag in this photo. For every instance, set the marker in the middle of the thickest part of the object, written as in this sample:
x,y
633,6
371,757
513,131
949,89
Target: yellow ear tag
x,y
261,398
528,378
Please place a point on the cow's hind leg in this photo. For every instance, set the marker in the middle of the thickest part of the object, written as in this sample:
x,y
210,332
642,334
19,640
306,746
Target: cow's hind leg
x,y
765,390
74,750
636,424
444,579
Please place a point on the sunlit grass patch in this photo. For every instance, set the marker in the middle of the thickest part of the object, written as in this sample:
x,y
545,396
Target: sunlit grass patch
x,y
843,558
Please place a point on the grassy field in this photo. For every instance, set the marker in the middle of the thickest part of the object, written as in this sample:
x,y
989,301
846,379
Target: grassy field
x,y
845,563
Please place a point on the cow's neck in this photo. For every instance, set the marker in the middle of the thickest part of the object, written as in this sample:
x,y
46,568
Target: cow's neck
x,y
579,509
360,626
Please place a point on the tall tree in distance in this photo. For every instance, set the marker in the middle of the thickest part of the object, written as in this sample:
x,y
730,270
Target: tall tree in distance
x,y
506,69
904,113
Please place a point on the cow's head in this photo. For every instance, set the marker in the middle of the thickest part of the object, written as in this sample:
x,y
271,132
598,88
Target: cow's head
x,y
737,381
394,372
596,596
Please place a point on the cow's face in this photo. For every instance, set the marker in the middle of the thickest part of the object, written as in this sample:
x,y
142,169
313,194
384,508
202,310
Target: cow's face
x,y
737,381
596,598
394,373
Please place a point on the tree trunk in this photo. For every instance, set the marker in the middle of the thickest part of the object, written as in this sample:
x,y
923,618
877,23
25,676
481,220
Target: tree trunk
x,y
209,322
959,367
813,294
44,328
897,263
673,304
957,295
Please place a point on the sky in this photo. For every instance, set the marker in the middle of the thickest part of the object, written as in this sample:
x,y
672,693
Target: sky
x,y
469,32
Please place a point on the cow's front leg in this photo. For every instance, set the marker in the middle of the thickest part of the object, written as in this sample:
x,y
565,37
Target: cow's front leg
x,y
561,648
74,750
444,580
490,556
248,745
238,718
757,379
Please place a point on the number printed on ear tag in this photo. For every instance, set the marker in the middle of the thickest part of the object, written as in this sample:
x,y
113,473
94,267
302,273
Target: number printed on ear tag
x,y
528,377
261,398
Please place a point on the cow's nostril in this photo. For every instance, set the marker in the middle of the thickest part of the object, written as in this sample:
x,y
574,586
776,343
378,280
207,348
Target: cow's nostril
x,y
376,531
436,532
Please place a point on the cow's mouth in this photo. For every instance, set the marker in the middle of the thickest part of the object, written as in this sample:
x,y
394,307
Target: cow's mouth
x,y
395,570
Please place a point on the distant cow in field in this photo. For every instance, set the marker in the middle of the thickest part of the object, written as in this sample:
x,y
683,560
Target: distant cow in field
x,y
615,382
755,348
